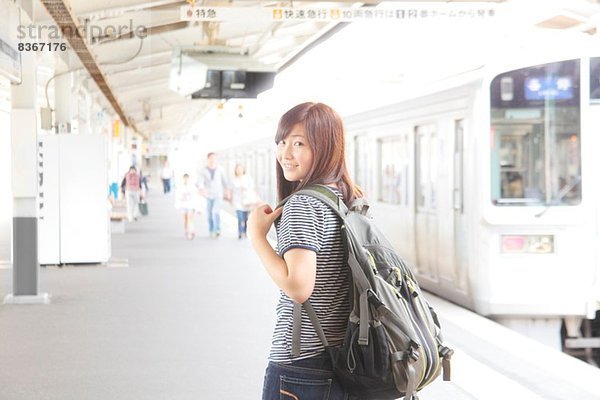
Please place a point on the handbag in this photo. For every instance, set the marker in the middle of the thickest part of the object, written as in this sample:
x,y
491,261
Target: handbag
x,y
143,208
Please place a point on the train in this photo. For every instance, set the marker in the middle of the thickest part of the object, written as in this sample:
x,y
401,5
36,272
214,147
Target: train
x,y
485,183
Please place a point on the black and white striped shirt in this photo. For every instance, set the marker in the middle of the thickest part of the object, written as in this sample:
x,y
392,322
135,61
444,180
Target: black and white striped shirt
x,y
308,223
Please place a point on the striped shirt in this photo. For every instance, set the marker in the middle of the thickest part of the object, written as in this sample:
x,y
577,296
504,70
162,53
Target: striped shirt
x,y
307,223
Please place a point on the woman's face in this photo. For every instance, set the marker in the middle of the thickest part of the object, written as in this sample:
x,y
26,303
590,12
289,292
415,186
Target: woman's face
x,y
295,155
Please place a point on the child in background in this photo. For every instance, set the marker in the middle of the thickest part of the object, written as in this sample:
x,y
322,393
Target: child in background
x,y
186,202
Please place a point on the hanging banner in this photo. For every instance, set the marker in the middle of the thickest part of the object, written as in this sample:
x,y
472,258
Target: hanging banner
x,y
116,128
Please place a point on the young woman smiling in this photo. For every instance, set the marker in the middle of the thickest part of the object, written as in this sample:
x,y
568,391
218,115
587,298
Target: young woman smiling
x,y
310,259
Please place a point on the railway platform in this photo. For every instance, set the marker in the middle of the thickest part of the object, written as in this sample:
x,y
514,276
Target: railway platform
x,y
170,318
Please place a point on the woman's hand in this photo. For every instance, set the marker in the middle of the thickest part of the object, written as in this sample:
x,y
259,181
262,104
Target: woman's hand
x,y
261,219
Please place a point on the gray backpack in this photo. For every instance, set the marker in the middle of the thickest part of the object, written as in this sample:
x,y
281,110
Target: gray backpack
x,y
393,344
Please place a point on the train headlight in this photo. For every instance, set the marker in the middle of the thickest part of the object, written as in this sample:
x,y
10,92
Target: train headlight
x,y
533,244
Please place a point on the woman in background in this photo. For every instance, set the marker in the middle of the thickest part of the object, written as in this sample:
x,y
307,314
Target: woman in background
x,y
244,198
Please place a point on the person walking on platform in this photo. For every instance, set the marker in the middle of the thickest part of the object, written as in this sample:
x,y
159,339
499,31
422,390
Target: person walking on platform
x,y
243,197
186,202
133,186
310,258
212,184
166,174
144,182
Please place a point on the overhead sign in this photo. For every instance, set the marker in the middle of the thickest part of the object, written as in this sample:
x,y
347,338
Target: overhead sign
x,y
10,57
405,13
10,61
160,144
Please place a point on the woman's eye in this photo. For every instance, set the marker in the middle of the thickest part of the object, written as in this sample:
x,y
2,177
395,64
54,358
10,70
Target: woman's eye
x,y
298,144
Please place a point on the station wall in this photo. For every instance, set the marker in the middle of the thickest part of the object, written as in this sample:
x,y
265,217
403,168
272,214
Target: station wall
x,y
5,188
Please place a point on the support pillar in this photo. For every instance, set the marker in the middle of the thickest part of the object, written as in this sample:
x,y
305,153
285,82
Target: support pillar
x,y
24,161
64,96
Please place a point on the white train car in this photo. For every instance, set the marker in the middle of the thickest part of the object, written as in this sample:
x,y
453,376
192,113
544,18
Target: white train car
x,y
487,184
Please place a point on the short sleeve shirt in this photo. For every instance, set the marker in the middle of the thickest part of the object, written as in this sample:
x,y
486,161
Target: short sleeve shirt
x,y
215,183
307,223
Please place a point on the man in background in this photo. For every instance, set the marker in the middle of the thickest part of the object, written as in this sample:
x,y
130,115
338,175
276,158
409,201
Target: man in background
x,y
212,184
166,174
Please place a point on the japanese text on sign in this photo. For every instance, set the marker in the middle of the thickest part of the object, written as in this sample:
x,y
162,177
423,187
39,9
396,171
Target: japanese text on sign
x,y
189,13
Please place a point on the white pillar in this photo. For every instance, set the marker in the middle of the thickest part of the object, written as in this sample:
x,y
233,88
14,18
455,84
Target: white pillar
x,y
63,95
24,160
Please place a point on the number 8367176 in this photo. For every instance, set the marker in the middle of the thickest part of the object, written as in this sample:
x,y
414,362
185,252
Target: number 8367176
x,y
42,46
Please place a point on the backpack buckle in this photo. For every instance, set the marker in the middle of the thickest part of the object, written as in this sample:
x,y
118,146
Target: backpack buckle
x,y
413,354
446,352
373,299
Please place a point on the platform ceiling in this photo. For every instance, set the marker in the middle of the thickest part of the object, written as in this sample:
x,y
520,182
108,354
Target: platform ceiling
x,y
137,70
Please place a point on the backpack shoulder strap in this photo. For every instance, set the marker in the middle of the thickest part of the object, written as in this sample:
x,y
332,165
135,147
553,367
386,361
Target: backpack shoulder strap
x,y
327,196
360,205
297,324
323,193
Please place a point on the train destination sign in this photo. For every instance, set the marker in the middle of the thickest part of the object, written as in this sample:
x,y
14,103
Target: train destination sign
x,y
551,88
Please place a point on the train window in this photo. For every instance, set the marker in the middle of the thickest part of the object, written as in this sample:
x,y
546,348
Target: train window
x,y
426,167
535,136
595,79
362,163
393,162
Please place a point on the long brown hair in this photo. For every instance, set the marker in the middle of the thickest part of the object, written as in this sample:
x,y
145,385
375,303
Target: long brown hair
x,y
324,131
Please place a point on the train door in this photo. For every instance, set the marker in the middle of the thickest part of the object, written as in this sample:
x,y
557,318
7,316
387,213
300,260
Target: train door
x,y
426,218
393,195
460,259
593,130
363,167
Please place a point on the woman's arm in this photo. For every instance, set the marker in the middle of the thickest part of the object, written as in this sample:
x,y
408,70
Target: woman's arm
x,y
295,273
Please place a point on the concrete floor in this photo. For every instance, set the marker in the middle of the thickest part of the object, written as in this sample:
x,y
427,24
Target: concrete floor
x,y
177,323
193,320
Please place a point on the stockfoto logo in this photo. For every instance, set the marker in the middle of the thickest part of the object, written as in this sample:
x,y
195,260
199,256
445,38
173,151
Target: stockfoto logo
x,y
93,33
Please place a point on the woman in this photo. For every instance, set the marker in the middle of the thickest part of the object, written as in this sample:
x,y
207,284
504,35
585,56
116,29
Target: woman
x,y
243,198
310,258
132,186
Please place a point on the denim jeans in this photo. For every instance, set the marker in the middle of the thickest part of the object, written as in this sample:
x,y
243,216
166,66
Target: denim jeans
x,y
309,379
242,217
213,210
166,185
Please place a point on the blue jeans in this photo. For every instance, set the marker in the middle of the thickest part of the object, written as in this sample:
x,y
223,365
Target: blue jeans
x,y
166,185
242,217
309,379
213,210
